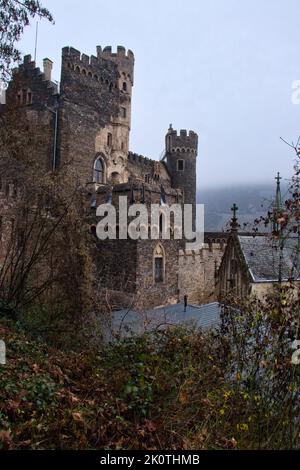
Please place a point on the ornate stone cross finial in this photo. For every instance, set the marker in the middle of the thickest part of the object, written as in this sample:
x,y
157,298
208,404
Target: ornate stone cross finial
x,y
234,210
278,178
278,200
277,206
234,225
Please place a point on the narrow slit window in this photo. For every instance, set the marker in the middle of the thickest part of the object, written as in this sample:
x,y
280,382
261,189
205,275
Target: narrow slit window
x,y
180,165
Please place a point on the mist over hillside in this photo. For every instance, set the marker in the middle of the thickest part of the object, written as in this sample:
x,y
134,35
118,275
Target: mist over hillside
x,y
253,201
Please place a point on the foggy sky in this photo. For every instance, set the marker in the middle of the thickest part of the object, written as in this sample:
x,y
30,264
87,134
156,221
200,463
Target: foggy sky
x,y
223,68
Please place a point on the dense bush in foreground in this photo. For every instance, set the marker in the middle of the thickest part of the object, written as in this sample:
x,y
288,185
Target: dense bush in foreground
x,y
173,389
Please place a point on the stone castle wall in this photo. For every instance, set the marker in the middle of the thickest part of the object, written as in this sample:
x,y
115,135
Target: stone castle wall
x,y
89,98
92,123
149,293
197,270
31,102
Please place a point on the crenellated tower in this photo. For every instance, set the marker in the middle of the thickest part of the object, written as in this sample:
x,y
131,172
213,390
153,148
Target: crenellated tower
x,y
181,156
122,122
101,86
114,138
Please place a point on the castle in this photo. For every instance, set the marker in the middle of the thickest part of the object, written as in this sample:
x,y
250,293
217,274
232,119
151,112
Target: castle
x,y
86,123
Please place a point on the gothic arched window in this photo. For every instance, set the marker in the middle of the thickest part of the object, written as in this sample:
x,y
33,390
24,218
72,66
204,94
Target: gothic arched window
x,y
98,173
159,264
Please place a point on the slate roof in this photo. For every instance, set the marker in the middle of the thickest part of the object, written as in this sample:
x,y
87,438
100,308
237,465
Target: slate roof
x,y
262,258
133,322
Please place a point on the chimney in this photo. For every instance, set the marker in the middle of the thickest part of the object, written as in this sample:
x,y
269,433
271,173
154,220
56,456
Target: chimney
x,y
47,69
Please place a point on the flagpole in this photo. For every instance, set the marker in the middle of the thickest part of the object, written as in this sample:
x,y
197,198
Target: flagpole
x,y
36,39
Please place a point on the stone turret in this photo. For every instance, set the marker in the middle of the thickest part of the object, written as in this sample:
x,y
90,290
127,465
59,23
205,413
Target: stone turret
x,y
181,156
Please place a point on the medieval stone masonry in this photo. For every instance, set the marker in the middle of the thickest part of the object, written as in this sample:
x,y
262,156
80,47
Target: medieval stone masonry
x,y
85,123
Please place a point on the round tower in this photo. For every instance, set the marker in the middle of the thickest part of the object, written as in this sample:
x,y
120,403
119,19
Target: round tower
x,y
181,155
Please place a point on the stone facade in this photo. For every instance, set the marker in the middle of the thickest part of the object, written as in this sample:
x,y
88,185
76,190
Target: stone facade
x,y
198,269
128,265
181,153
91,101
33,99
85,127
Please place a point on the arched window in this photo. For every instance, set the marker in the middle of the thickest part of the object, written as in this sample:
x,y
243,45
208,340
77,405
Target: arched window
x,y
124,86
159,264
98,174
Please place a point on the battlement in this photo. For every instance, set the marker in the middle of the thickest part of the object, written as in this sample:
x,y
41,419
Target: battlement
x,y
121,53
182,141
122,59
140,159
206,247
29,66
92,68
76,57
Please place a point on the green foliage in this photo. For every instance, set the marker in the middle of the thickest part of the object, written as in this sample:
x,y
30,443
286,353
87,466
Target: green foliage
x,y
176,389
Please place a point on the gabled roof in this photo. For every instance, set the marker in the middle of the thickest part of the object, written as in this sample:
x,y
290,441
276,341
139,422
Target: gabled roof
x,y
262,257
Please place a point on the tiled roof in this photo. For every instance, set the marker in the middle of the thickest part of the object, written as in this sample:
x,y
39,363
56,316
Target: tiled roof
x,y
263,258
133,322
